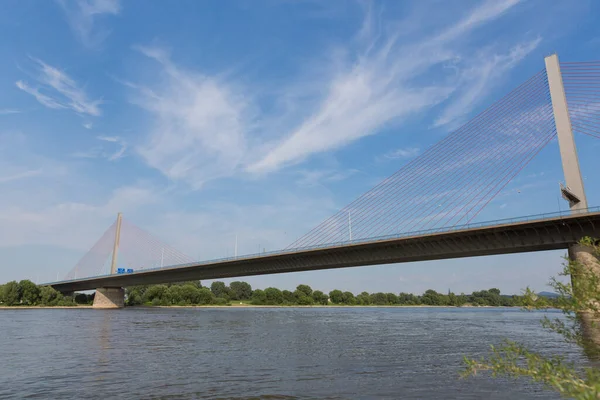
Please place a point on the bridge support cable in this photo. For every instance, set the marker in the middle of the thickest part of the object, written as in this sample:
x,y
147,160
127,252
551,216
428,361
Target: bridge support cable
x,y
407,182
95,260
143,250
582,89
412,181
443,186
454,179
138,250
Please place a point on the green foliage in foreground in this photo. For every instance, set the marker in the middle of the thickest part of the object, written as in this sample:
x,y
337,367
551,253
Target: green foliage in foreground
x,y
579,302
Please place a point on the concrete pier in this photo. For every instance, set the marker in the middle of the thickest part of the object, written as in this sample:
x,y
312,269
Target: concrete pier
x,y
590,321
109,298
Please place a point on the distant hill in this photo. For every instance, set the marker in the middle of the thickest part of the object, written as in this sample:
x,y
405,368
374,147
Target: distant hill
x,y
548,294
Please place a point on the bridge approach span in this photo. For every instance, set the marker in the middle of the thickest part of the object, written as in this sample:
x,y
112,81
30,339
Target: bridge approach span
x,y
513,237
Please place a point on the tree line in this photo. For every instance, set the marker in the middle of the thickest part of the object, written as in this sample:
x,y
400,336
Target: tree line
x,y
193,293
27,293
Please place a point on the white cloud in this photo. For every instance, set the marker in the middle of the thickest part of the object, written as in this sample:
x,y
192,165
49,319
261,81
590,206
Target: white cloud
x,y
42,98
405,152
376,87
74,225
208,127
200,123
65,93
108,138
20,175
118,153
320,177
88,125
487,11
102,151
477,81
82,16
7,111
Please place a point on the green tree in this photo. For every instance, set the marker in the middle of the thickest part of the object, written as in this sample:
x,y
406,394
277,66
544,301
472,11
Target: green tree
x,y
432,298
135,294
30,292
452,299
408,299
155,292
205,296
190,294
81,298
379,299
220,301
348,298
307,290
259,297
174,295
273,296
11,293
49,296
219,289
336,296
302,298
364,299
288,297
392,298
241,290
578,301
320,298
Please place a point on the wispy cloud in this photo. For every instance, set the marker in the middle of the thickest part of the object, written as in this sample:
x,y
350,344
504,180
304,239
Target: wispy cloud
x,y
88,125
7,111
475,82
62,92
199,123
405,152
103,152
108,138
119,153
207,127
319,177
376,87
83,15
20,175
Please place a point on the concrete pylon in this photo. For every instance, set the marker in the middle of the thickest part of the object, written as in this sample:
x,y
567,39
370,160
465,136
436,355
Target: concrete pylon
x,y
113,264
112,297
573,191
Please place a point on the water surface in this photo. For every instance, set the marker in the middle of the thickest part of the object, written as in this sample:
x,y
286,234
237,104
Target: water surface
x,y
335,353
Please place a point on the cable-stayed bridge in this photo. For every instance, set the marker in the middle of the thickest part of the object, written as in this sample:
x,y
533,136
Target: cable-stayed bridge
x,y
424,211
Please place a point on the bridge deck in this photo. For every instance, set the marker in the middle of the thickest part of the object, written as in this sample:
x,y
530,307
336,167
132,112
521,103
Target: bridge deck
x,y
511,237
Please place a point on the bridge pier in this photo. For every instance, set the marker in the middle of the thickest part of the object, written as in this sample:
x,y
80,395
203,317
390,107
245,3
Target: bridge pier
x,y
109,298
590,321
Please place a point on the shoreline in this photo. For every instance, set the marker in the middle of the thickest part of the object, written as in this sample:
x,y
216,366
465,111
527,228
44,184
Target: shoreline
x,y
253,306
41,307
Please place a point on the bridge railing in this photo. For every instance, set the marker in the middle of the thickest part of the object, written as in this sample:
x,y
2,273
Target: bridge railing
x,y
505,221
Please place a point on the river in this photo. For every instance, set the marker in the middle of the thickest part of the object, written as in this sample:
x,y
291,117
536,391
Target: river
x,y
333,353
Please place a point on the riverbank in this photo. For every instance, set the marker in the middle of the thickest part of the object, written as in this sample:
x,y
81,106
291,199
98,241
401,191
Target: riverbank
x,y
254,306
41,307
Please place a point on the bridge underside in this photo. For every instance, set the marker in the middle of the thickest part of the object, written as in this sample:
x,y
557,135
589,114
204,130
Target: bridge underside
x,y
547,234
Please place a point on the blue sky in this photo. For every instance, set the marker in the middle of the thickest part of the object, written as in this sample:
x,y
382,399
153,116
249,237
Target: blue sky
x,y
203,120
